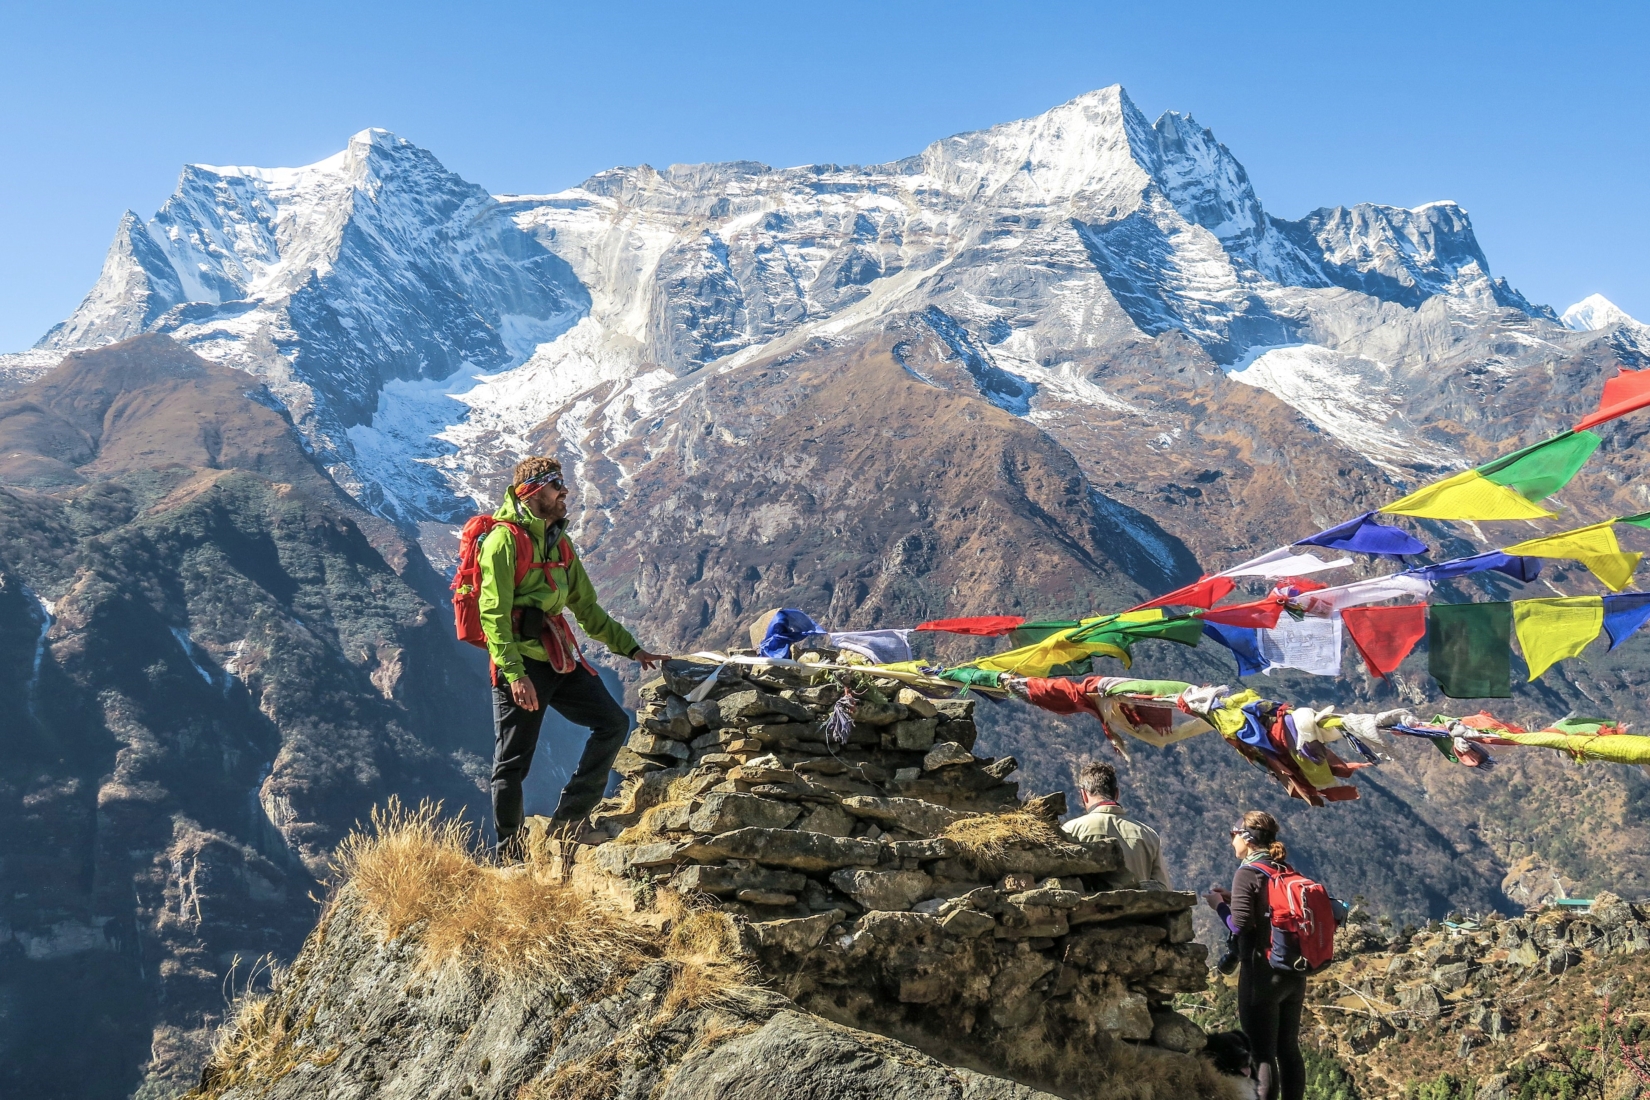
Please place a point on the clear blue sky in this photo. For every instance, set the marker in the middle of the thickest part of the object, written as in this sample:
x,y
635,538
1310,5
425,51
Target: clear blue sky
x,y
1535,117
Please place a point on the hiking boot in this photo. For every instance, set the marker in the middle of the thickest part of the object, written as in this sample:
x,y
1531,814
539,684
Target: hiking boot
x,y
510,850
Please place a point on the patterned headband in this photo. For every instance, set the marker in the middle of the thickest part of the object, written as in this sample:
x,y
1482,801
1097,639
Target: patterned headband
x,y
532,485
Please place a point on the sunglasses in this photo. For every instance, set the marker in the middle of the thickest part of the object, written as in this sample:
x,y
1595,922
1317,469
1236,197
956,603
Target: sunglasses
x,y
528,488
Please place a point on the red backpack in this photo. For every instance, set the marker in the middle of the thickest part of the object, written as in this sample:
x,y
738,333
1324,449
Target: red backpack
x,y
467,582
1303,920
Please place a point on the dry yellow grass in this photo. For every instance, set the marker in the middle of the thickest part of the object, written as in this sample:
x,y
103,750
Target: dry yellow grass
x,y
416,870
418,875
989,836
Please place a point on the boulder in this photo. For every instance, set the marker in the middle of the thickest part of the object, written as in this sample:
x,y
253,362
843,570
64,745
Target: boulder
x,y
1017,921
1172,1031
649,744
618,859
869,712
1609,911
751,703
884,890
797,936
724,812
910,735
967,923
829,819
725,881
946,754
786,848
911,814
916,703
1110,905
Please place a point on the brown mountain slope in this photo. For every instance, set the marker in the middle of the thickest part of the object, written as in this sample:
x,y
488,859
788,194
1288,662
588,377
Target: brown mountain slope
x,y
239,662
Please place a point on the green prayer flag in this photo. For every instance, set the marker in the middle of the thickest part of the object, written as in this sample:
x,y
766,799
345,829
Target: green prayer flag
x,y
1640,520
1469,649
1182,628
1031,633
1544,468
971,677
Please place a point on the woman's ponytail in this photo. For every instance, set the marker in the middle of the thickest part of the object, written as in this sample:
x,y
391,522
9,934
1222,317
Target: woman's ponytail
x,y
1263,829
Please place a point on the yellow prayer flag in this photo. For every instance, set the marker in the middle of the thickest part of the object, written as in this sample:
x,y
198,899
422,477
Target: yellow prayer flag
x,y
1467,495
1594,546
1036,660
1620,748
1550,631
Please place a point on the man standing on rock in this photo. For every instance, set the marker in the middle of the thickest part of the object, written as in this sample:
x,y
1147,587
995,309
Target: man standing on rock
x,y
1104,819
536,661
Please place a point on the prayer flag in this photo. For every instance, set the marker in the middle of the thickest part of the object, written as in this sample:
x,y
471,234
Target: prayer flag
x,y
1281,563
1328,601
1594,546
1032,633
1519,569
983,626
1259,613
1244,642
1505,488
1311,645
1550,631
1624,614
785,627
1385,635
885,647
1201,593
1469,649
1628,390
1363,535
1640,520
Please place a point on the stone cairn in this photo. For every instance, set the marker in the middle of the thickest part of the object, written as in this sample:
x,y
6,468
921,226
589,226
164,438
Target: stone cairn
x,y
851,896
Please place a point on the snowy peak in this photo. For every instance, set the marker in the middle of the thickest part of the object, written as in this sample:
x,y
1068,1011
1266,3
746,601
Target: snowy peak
x,y
1097,146
1595,312
1204,180
1399,255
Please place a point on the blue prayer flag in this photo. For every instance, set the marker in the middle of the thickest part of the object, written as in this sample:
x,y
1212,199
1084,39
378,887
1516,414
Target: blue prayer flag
x,y
1363,535
1624,614
1518,568
788,627
1243,641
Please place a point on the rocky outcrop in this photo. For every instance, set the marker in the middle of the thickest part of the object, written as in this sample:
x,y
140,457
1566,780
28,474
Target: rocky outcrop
x,y
884,917
1549,997
361,1016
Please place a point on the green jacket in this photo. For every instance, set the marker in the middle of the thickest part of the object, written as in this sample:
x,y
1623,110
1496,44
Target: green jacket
x,y
499,593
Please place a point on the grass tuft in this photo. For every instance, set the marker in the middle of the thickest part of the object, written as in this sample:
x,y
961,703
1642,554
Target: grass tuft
x,y
991,836
417,873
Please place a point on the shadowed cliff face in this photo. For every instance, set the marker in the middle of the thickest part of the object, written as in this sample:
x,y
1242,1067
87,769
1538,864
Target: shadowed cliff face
x,y
214,664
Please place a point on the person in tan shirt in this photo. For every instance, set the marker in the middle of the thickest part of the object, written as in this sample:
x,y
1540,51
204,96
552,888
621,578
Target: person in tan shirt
x,y
1104,819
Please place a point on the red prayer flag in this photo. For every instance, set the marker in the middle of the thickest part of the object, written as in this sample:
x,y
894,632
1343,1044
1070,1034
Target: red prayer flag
x,y
984,626
1385,635
1628,390
1202,593
1263,613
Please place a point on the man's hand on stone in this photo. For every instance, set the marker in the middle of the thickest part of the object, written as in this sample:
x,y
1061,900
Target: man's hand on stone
x,y
649,660
523,693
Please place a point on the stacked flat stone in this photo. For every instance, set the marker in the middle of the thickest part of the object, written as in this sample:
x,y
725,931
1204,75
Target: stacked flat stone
x,y
852,901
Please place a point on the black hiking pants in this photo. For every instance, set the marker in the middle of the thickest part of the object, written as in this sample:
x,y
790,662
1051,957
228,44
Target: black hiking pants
x,y
581,698
1269,1011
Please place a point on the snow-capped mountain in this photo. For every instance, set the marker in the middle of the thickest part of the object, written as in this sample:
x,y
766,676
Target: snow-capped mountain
x,y
420,331
1596,312
331,281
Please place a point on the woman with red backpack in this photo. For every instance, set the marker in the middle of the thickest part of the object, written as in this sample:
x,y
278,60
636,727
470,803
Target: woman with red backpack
x,y
1284,924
